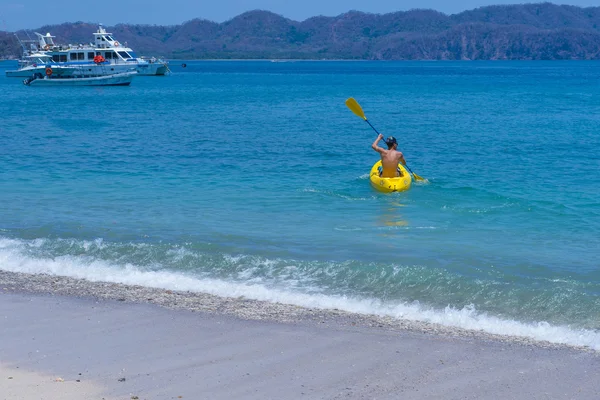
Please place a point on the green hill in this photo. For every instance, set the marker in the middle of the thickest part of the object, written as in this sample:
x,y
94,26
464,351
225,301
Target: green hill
x,y
515,32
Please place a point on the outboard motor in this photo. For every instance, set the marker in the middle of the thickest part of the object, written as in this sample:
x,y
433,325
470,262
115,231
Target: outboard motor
x,y
33,77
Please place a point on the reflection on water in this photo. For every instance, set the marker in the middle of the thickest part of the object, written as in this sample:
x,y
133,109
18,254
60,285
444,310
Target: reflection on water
x,y
390,214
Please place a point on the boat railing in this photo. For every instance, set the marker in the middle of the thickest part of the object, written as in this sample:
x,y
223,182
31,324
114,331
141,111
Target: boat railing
x,y
28,45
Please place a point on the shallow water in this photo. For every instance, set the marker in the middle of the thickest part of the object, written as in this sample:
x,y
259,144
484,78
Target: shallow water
x,y
251,178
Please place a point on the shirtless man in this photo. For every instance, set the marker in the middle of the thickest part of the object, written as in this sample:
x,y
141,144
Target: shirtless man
x,y
390,158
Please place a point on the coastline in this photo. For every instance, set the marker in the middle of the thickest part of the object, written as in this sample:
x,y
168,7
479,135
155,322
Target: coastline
x,y
245,308
276,60
66,338
350,60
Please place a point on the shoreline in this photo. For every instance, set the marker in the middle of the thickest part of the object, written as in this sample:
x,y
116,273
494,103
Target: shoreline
x,y
276,60
245,308
62,338
364,60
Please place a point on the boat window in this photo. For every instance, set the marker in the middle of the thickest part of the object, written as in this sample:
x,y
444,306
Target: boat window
x,y
91,55
55,58
63,58
124,54
110,38
108,55
81,56
72,56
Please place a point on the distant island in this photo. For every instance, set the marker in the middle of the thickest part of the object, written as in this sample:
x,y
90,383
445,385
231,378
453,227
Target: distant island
x,y
543,31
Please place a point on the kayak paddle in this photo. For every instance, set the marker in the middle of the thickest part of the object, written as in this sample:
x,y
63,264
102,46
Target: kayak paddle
x,y
357,109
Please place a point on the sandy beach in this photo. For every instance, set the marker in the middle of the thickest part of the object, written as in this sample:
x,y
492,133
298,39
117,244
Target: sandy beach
x,y
62,338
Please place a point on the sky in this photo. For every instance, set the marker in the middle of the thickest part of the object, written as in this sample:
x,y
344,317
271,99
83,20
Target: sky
x,y
31,14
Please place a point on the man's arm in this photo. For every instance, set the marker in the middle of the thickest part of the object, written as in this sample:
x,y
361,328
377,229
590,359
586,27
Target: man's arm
x,y
402,160
374,145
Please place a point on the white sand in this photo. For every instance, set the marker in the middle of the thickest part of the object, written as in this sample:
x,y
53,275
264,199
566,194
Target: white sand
x,y
16,383
120,350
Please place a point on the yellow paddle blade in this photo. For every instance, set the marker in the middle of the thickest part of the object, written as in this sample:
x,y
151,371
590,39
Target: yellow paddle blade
x,y
355,107
418,178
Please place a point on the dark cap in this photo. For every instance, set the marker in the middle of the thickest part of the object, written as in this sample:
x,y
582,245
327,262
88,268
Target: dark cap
x,y
391,141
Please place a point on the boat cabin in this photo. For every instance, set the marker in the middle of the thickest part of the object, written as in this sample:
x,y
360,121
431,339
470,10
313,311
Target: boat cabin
x,y
34,60
104,45
45,42
103,39
87,55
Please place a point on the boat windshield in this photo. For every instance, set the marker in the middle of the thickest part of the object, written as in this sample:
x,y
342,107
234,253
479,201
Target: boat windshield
x,y
124,54
39,58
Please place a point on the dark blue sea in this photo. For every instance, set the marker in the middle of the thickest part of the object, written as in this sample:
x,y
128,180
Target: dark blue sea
x,y
250,178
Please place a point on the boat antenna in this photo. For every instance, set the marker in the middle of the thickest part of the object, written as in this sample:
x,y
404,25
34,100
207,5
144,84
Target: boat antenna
x,y
21,43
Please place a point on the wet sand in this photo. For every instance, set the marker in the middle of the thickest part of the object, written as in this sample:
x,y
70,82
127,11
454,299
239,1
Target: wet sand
x,y
63,338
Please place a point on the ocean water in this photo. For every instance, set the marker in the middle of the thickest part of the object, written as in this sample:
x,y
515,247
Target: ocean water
x,y
251,179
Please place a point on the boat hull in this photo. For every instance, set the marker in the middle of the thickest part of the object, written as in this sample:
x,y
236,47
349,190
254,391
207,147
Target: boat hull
x,y
145,69
122,79
152,69
389,185
30,71
73,69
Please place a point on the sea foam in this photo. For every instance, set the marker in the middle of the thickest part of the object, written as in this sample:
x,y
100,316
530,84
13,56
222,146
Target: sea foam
x,y
15,257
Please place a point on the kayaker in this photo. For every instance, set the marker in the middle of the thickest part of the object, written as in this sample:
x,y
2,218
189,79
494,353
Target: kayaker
x,y
390,158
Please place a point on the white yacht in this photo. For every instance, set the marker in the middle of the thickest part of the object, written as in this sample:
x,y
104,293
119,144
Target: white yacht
x,y
105,52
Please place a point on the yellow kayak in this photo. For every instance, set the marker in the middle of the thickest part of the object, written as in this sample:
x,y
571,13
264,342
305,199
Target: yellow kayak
x,y
388,185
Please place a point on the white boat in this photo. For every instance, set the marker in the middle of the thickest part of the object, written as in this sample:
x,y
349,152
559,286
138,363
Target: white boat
x,y
32,64
40,62
115,56
120,79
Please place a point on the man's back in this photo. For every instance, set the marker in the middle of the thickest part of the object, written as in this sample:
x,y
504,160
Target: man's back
x,y
389,161
390,158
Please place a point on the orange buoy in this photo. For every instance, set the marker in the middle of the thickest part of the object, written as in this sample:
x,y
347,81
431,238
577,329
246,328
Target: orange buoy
x,y
48,71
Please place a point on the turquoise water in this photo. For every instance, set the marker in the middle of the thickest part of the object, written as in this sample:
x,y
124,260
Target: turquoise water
x,y
251,179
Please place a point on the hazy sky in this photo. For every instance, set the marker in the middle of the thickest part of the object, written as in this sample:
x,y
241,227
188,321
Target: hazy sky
x,y
20,14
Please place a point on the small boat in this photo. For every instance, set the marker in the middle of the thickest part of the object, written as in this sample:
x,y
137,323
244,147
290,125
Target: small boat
x,y
29,65
120,79
388,185
34,63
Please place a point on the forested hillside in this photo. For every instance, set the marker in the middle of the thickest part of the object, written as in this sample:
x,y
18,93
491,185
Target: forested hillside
x,y
531,31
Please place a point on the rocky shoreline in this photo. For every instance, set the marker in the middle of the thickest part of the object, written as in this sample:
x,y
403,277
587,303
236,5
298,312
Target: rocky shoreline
x,y
241,307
